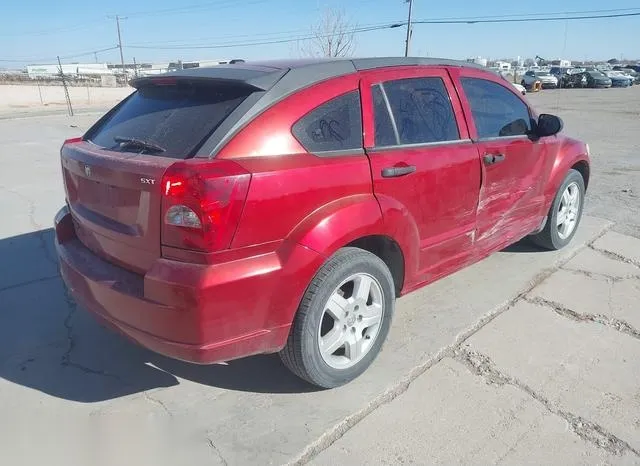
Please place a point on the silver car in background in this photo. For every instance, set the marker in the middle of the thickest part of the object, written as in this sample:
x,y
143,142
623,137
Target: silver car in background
x,y
547,80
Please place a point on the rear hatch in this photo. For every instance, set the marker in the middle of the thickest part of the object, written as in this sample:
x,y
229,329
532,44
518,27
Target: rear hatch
x,y
113,174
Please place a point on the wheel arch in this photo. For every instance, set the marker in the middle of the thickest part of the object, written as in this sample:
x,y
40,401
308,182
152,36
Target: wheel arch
x,y
583,167
389,251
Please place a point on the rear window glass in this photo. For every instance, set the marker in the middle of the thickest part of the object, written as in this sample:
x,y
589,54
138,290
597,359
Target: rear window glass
x,y
333,126
172,120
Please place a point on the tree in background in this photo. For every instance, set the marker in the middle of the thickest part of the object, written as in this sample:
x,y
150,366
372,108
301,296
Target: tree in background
x,y
333,36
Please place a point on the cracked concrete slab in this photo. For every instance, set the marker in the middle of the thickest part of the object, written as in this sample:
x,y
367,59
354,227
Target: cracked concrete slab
x,y
450,415
584,368
598,295
595,262
623,246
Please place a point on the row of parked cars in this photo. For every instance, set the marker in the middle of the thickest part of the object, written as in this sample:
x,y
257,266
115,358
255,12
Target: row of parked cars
x,y
582,77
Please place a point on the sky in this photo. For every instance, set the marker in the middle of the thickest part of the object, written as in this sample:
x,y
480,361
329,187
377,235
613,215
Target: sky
x,y
36,31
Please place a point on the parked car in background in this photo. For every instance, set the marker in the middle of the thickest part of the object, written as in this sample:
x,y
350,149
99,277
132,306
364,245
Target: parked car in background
x,y
619,79
596,79
635,68
265,207
521,89
570,77
558,72
629,71
634,75
546,79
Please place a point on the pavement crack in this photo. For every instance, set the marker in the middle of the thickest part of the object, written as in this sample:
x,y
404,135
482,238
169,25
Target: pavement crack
x,y
38,229
616,324
333,434
29,282
598,275
481,365
71,343
216,451
615,256
158,402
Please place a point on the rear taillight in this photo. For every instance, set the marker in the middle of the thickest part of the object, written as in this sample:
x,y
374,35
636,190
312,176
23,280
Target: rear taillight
x,y
202,203
72,141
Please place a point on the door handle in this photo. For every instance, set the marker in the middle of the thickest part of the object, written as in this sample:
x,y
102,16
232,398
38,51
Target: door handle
x,y
393,172
490,159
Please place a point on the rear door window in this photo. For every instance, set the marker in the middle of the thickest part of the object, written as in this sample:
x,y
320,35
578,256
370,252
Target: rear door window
x,y
335,125
421,111
173,120
497,112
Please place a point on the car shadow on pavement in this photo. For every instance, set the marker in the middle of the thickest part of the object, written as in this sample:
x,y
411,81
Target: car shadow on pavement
x,y
524,245
50,344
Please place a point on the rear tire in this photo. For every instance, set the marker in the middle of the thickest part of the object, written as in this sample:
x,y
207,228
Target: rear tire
x,y
343,319
564,215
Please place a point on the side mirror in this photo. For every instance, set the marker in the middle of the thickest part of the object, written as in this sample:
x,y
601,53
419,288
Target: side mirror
x,y
548,125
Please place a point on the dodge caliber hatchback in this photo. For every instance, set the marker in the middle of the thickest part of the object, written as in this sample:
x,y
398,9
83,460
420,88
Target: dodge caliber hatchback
x,y
218,213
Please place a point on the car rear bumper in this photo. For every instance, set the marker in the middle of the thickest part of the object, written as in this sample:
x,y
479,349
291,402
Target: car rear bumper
x,y
202,313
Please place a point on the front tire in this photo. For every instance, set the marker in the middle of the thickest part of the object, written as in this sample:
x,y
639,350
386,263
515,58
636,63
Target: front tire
x,y
564,215
343,319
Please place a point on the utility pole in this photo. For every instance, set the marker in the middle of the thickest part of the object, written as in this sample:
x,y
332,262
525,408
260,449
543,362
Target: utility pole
x,y
66,91
408,42
118,18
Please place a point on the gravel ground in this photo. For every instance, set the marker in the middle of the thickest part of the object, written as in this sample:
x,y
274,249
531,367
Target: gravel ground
x,y
609,120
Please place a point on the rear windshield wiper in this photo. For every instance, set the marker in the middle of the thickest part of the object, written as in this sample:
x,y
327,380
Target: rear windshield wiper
x,y
133,142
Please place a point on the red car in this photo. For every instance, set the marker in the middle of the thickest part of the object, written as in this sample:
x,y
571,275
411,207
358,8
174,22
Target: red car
x,y
267,207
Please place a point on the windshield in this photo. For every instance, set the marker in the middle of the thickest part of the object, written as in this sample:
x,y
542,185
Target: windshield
x,y
597,74
169,120
542,73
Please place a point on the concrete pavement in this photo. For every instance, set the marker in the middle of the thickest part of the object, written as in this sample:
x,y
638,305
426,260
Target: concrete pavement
x,y
72,393
554,379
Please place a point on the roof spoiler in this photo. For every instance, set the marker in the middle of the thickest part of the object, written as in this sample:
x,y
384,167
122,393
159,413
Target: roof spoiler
x,y
254,78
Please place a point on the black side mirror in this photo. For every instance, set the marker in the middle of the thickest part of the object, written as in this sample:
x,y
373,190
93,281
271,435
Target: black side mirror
x,y
548,125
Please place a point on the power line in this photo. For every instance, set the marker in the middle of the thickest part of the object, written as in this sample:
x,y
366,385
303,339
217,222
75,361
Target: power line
x,y
46,32
66,57
546,13
189,8
523,20
567,16
375,28
265,42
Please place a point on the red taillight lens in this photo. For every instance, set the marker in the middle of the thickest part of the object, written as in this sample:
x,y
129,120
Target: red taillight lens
x,y
72,141
201,203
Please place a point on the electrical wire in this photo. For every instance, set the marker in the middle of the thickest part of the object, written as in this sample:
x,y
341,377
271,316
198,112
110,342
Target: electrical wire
x,y
358,30
523,20
512,18
191,8
252,43
66,57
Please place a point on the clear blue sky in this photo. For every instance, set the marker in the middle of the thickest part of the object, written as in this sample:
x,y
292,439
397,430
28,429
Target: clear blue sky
x,y
41,29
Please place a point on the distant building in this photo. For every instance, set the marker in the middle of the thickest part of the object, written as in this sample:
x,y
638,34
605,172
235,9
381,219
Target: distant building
x,y
503,65
75,69
478,61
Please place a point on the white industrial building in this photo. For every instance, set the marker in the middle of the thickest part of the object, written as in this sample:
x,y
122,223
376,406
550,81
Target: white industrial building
x,y
75,69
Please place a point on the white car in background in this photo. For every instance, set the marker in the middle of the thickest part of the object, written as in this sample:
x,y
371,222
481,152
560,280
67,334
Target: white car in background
x,y
521,89
547,80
